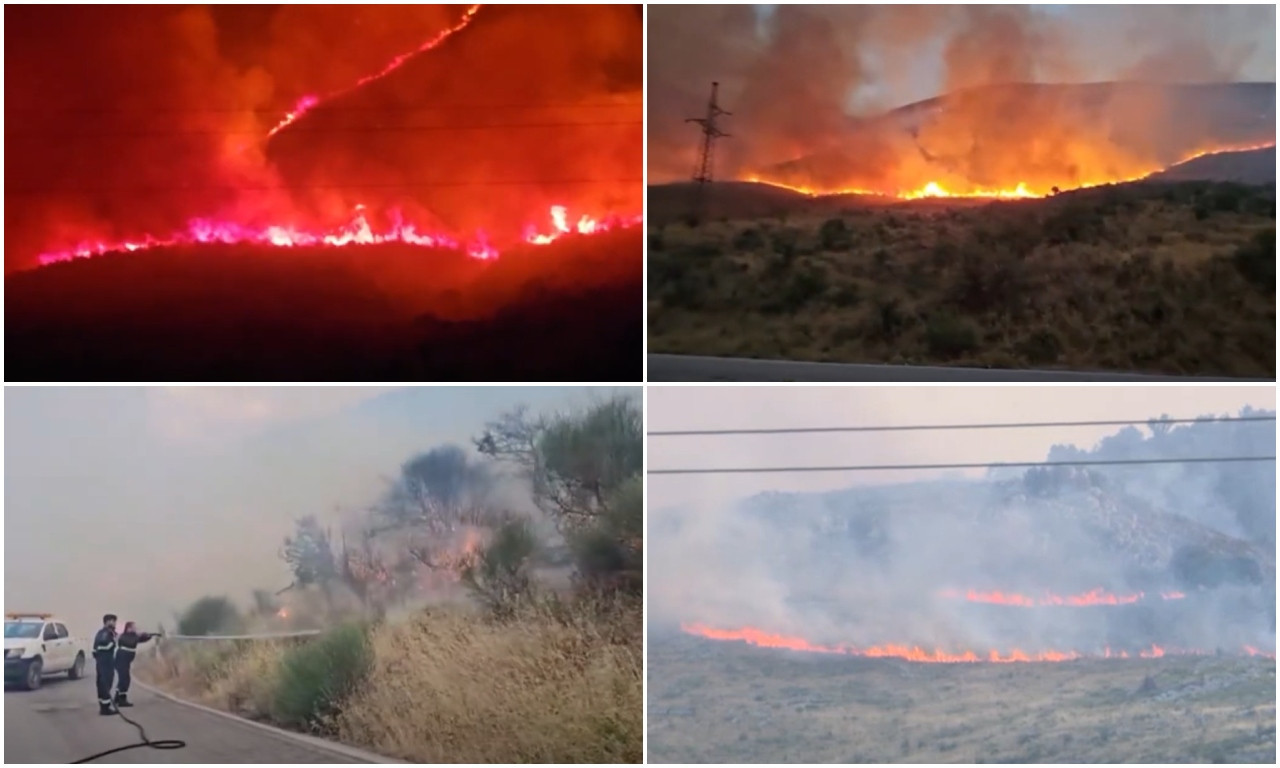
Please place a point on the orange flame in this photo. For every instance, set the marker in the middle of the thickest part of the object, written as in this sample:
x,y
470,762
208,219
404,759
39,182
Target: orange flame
x,y
358,231
1015,191
763,639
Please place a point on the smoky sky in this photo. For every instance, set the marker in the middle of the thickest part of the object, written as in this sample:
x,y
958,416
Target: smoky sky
x,y
138,500
860,557
124,121
795,76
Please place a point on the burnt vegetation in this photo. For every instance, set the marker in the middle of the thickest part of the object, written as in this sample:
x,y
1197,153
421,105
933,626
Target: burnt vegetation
x,y
1174,278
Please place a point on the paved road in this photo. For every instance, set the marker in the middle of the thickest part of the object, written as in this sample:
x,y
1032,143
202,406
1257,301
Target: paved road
x,y
59,723
695,368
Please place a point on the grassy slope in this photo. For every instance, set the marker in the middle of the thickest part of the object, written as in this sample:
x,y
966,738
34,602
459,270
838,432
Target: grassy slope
x,y
447,686
714,701
567,311
1132,278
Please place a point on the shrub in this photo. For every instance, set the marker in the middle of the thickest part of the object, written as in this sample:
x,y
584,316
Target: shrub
x,y
1256,260
498,577
748,239
784,243
210,615
1041,347
315,677
803,287
949,336
834,235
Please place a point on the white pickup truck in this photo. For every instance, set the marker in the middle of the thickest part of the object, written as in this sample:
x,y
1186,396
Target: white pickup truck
x,y
36,645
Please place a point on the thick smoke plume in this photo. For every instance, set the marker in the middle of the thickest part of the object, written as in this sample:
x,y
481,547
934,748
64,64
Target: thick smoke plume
x,y
127,121
1119,560
810,86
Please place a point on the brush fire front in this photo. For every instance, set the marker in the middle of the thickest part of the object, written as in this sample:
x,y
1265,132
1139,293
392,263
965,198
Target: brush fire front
x,y
916,653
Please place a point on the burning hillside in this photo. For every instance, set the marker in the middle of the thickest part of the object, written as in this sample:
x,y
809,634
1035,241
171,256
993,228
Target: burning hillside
x,y
957,101
1051,567
471,138
1025,141
319,192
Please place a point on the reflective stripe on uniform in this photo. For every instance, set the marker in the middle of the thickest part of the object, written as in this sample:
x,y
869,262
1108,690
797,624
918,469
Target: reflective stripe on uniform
x,y
104,647
123,649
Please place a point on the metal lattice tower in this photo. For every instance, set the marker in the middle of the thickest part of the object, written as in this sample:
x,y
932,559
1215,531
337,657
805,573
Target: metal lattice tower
x,y
710,132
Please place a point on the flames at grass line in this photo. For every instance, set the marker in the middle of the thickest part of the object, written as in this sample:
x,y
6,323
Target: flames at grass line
x,y
358,231
1094,597
764,639
559,221
1016,190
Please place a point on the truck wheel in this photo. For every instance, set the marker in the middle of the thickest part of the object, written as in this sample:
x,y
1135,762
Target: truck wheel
x,y
33,677
77,670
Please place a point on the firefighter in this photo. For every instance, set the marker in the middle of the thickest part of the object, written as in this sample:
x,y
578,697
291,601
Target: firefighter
x,y
125,653
104,659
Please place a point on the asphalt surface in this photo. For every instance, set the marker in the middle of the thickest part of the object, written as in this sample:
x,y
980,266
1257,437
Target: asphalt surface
x,y
695,368
59,723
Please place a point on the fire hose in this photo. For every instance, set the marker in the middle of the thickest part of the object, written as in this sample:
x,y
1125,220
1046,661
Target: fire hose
x,y
146,741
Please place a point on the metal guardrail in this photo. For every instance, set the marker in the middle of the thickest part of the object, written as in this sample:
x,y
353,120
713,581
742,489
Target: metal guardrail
x,y
679,368
263,636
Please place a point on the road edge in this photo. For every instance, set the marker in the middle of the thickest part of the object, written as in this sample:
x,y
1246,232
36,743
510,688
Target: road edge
x,y
302,738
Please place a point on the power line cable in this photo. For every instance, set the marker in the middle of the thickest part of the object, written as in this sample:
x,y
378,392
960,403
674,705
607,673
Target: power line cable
x,y
939,427
304,129
301,187
974,465
285,108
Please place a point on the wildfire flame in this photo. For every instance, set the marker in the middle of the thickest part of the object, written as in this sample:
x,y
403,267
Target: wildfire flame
x,y
763,639
305,104
1018,191
1092,597
358,231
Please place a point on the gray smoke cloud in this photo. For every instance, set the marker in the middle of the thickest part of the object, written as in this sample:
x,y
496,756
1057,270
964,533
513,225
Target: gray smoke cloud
x,y
889,561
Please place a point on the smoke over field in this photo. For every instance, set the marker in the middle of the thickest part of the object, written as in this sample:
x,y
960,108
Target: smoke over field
x,y
1075,566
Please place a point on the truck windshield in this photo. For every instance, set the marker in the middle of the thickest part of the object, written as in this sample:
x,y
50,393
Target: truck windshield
x,y
23,628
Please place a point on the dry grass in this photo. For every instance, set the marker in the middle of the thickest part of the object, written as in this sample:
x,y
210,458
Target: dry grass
x,y
1136,278
725,702
448,687
559,684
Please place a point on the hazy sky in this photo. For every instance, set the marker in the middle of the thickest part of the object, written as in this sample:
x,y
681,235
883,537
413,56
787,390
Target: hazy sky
x,y
138,500
671,408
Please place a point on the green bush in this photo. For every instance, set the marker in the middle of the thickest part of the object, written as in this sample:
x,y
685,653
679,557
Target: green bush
x,y
499,576
834,235
1043,346
949,336
804,286
209,616
748,239
315,677
1256,260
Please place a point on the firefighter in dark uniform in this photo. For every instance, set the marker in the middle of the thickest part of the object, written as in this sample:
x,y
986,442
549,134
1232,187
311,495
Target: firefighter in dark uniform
x,y
104,662
125,654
